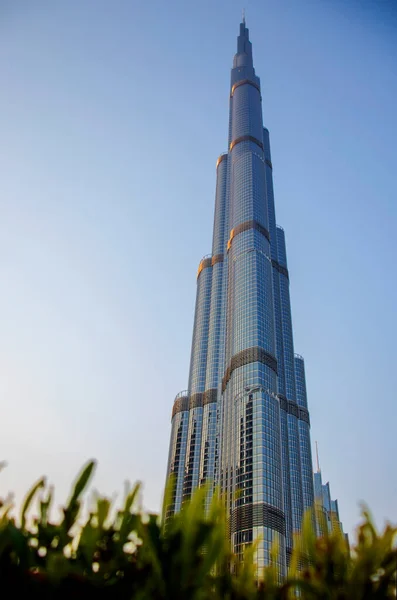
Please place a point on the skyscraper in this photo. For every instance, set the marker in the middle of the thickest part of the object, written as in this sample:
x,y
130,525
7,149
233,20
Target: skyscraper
x,y
243,422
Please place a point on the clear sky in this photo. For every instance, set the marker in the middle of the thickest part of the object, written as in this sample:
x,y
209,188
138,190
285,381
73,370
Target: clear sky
x,y
112,116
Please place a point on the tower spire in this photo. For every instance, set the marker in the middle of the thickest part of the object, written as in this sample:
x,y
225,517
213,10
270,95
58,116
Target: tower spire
x,y
243,57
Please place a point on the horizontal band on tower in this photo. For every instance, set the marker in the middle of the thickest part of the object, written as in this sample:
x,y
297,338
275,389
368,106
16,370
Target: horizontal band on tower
x,y
304,415
244,82
210,396
216,259
196,400
246,138
206,262
220,159
180,405
257,515
283,402
292,408
269,163
185,403
245,227
245,357
280,268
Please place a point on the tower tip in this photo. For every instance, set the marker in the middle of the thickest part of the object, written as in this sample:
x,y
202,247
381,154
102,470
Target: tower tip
x,y
243,16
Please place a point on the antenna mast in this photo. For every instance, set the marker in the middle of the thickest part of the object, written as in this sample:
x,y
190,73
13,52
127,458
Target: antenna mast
x,y
318,462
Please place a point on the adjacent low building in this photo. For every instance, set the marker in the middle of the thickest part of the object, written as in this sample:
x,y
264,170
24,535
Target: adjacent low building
x,y
326,509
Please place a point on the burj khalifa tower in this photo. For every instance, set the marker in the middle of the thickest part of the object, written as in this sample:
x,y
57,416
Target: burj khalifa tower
x,y
243,423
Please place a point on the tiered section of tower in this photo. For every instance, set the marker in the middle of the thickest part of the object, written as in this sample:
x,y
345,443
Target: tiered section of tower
x,y
243,423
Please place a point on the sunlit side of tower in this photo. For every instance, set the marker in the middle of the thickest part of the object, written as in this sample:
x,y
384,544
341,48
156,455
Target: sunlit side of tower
x,y
243,423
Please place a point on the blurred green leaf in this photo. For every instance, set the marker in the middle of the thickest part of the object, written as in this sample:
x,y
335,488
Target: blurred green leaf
x,y
81,483
29,498
72,509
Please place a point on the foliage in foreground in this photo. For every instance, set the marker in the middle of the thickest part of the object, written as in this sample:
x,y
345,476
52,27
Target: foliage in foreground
x,y
123,554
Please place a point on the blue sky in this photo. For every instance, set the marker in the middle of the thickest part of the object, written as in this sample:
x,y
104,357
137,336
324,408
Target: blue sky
x,y
112,117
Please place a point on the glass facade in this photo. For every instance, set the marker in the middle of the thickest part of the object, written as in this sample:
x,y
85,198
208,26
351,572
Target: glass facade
x,y
243,423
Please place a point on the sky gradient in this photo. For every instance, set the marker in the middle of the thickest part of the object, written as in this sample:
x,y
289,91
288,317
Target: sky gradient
x,y
112,117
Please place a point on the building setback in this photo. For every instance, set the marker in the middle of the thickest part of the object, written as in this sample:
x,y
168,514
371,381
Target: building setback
x,y
243,423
